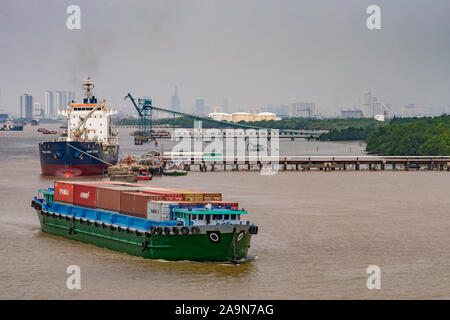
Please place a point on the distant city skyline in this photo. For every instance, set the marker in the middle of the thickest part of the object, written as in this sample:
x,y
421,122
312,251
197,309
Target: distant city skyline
x,y
257,54
369,107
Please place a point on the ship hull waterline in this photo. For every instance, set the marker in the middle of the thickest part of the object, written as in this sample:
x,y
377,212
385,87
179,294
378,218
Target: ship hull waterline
x,y
62,170
192,247
75,158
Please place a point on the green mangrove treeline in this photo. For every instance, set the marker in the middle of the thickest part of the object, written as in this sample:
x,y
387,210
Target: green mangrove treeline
x,y
350,133
419,136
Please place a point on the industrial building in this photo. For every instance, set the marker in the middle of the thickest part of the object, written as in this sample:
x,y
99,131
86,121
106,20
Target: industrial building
x,y
302,110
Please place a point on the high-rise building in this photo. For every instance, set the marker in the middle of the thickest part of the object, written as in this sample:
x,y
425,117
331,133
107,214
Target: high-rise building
x,y
379,108
26,106
60,100
175,101
388,108
225,105
38,111
200,107
49,105
282,110
366,105
63,99
302,110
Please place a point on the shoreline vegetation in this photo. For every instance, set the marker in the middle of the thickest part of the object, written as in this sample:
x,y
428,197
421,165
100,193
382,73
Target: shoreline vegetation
x,y
427,136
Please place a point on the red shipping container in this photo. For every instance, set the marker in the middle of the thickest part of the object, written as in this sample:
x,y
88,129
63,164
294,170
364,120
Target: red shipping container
x,y
85,195
135,203
108,198
63,191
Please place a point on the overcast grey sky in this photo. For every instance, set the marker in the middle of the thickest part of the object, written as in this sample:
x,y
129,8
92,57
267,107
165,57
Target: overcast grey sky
x,y
254,52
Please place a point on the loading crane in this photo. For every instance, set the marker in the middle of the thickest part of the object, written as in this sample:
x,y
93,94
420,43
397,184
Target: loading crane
x,y
144,108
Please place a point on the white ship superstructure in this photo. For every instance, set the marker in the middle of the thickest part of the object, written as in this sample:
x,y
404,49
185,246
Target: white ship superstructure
x,y
90,121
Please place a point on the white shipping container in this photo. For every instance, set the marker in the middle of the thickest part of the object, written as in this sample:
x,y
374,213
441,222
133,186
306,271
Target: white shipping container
x,y
159,210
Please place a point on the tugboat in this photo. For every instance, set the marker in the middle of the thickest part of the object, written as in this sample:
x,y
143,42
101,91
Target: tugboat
x,y
145,221
90,144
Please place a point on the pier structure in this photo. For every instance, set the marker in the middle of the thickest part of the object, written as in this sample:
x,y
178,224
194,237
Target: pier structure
x,y
322,163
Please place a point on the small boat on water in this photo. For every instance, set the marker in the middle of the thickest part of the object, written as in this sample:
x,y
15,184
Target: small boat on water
x,y
49,132
174,169
144,174
11,126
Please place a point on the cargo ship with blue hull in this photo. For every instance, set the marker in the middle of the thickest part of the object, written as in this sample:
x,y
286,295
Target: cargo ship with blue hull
x,y
91,144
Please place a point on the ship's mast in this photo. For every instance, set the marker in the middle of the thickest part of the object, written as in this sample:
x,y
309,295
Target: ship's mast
x,y
88,85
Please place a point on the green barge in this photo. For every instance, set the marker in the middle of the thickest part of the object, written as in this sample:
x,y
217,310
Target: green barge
x,y
183,237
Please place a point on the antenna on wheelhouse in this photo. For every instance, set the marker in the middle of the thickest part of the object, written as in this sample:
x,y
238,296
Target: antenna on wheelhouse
x,y
88,85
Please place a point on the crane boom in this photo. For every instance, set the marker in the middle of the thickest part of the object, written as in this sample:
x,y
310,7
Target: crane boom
x,y
77,131
134,103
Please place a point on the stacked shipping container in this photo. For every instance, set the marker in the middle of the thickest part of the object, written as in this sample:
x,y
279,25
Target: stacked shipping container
x,y
132,199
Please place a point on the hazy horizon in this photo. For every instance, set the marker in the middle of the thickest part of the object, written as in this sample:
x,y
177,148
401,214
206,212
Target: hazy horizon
x,y
255,53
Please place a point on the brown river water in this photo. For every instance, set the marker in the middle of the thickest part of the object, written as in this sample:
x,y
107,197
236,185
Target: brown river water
x,y
318,233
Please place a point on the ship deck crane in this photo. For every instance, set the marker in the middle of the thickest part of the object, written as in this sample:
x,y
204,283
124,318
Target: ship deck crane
x,y
79,131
